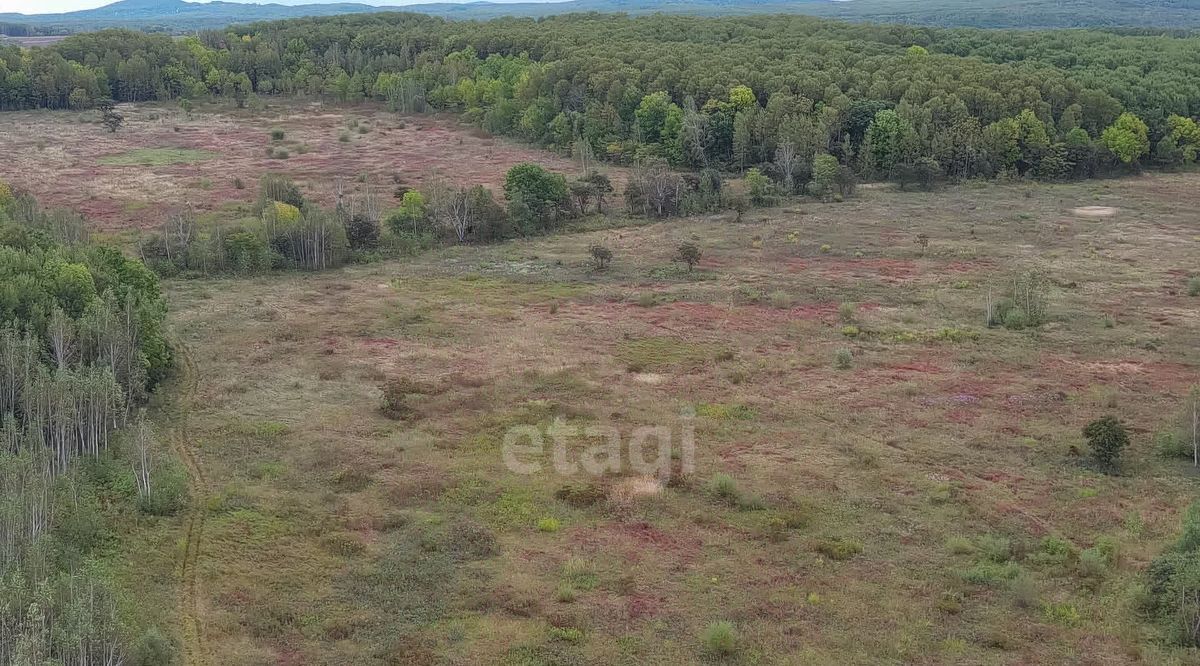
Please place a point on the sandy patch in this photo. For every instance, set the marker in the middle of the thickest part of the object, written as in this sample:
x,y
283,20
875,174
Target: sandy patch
x,y
1094,211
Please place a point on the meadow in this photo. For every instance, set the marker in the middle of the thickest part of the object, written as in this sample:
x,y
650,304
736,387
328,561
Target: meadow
x,y
207,160
880,476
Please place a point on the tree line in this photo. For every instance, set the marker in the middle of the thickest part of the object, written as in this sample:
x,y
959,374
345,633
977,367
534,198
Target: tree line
x,y
82,342
727,93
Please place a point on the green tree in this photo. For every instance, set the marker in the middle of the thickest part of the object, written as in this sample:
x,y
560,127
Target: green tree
x,y
825,172
889,139
1127,138
543,192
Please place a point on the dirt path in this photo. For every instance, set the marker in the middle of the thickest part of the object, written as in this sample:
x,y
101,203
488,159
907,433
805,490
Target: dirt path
x,y
189,596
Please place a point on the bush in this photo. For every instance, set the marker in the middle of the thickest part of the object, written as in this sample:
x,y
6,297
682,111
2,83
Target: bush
x,y
689,254
277,135
549,525
153,649
601,256
720,638
1107,437
843,359
247,252
724,487
995,549
780,300
1193,286
362,232
394,404
1092,563
168,492
838,549
468,540
580,495
1024,590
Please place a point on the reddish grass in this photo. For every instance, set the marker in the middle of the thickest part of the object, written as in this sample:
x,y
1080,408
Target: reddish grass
x,y
57,157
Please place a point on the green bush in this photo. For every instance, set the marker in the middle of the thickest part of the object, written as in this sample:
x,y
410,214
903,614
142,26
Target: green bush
x,y
153,649
277,135
247,252
549,525
168,491
995,549
1107,438
843,359
724,487
838,549
1193,286
720,638
991,573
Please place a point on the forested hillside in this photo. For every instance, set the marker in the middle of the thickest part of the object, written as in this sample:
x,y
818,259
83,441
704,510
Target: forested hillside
x,y
730,93
177,16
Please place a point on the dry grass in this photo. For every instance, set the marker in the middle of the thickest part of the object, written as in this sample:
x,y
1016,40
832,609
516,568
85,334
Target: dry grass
x,y
339,536
129,180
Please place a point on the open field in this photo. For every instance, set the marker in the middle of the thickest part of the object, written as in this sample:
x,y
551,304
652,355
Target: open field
x,y
164,159
877,513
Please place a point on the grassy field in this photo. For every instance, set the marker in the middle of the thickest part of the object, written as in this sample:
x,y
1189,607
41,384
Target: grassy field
x,y
879,477
164,159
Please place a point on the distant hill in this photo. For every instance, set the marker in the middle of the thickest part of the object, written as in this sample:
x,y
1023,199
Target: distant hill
x,y
180,16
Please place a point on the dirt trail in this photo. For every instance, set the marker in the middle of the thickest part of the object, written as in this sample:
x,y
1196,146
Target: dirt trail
x,y
189,596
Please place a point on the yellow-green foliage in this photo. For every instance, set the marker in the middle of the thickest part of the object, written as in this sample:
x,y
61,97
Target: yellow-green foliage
x,y
283,212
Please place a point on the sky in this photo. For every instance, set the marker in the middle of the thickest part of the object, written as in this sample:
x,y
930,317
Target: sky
x,y
58,6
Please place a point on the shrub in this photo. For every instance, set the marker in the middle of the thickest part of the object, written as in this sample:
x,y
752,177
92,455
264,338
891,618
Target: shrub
x,y
247,252
838,549
362,232
344,137
720,638
601,256
991,573
646,299
724,487
780,299
1193,286
277,135
843,359
850,331
1024,590
1107,437
1092,563
995,549
958,545
395,403
565,594
549,525
471,541
153,649
688,253
580,495
847,311
168,492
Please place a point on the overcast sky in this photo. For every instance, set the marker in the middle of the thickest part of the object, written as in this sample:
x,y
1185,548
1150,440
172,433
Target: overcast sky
x,y
57,6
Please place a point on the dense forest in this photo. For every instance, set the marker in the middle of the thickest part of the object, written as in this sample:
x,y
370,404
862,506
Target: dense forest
x,y
82,341
179,17
729,93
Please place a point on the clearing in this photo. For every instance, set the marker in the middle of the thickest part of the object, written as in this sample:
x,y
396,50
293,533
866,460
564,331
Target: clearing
x,y
875,513
164,159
